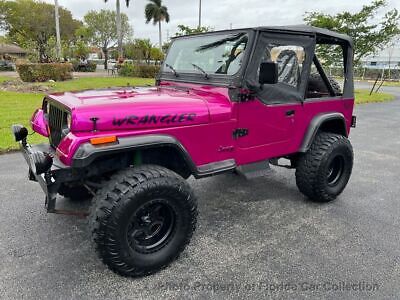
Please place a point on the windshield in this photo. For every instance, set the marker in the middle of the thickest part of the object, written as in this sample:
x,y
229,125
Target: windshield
x,y
207,54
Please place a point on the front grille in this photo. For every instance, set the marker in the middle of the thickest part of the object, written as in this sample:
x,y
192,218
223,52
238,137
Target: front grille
x,y
57,122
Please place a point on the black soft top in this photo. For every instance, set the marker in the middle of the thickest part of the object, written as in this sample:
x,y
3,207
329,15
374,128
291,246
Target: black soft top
x,y
322,35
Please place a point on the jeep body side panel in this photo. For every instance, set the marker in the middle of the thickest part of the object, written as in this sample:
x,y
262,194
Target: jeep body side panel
x,y
273,133
87,152
206,142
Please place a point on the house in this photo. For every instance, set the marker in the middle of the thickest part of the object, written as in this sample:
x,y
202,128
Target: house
x,y
11,50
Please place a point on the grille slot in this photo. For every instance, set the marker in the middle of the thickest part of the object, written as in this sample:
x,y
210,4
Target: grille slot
x,y
57,122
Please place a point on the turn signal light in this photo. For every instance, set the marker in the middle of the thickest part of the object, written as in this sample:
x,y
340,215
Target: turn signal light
x,y
103,140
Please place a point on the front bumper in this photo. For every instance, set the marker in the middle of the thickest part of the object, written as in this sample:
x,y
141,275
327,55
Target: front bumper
x,y
50,181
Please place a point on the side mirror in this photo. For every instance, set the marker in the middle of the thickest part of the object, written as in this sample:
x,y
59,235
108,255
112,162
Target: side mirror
x,y
268,73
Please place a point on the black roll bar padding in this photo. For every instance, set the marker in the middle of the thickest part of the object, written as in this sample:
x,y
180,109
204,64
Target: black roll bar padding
x,y
323,76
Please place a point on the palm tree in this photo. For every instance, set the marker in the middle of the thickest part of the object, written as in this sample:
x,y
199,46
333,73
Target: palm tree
x,y
157,12
119,26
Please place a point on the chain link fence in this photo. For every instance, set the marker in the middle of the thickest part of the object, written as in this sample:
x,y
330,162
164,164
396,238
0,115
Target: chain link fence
x,y
368,73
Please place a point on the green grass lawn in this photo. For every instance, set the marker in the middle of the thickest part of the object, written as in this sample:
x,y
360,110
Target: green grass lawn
x,y
3,78
362,96
391,83
98,82
17,108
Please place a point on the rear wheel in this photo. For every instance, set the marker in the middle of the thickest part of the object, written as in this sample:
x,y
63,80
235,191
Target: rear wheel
x,y
323,172
142,219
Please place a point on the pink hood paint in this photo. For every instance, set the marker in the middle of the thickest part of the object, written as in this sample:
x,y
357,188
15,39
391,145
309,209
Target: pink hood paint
x,y
141,108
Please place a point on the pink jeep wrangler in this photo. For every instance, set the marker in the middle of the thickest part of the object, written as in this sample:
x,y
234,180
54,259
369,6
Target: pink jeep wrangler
x,y
228,101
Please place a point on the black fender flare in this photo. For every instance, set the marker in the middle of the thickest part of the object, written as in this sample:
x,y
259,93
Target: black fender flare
x,y
87,152
316,124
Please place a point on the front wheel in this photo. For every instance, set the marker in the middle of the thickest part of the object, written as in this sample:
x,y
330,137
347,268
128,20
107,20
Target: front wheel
x,y
75,193
142,219
324,171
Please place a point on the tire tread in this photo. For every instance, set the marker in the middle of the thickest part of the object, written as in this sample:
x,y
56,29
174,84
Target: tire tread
x,y
110,196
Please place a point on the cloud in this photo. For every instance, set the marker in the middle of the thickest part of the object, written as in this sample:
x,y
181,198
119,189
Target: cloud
x,y
219,14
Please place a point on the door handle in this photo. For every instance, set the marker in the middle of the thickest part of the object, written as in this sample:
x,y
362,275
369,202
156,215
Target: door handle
x,y
290,112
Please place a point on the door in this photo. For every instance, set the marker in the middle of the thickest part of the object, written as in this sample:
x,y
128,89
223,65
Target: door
x,y
271,129
271,116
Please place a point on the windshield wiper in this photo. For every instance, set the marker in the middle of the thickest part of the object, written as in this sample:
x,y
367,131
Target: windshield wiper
x,y
172,69
201,70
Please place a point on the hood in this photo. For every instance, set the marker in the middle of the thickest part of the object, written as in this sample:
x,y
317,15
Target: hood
x,y
133,108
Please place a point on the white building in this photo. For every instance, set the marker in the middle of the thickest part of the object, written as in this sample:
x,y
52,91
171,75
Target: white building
x,y
384,59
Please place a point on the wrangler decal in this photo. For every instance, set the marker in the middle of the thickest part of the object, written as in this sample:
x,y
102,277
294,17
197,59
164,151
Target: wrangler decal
x,y
153,119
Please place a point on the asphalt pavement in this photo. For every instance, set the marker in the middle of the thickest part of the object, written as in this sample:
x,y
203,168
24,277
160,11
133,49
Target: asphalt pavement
x,y
255,239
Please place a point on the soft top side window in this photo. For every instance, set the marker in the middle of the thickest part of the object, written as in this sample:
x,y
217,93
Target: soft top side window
x,y
293,55
290,59
327,74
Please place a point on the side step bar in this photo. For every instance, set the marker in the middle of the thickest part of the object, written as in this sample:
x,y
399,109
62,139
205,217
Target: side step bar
x,y
255,170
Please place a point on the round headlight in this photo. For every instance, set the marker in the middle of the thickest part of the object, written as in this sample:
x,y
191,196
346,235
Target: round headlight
x,y
20,132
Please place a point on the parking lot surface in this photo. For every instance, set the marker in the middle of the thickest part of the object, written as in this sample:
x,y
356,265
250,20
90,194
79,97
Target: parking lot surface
x,y
254,239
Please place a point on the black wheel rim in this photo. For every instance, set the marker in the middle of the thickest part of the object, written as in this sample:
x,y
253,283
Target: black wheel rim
x,y
335,170
151,226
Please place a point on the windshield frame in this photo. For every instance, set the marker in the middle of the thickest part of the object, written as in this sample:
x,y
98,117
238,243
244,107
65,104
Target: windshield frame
x,y
212,78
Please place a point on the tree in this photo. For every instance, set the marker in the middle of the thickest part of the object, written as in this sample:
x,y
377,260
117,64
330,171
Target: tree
x,y
142,50
80,49
369,36
139,50
186,30
102,30
156,12
156,54
30,23
119,25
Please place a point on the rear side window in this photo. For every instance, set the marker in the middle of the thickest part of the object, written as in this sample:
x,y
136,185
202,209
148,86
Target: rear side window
x,y
331,60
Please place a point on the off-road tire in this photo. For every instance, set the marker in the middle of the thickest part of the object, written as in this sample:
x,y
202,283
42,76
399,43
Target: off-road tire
x,y
313,173
75,193
317,84
116,206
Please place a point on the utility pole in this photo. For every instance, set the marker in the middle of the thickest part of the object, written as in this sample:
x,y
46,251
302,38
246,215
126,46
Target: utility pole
x,y
199,13
58,36
119,29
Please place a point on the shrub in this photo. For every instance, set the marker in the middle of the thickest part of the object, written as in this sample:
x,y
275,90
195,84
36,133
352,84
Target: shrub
x,y
29,72
144,71
147,71
90,67
127,70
